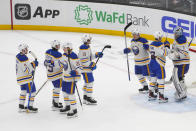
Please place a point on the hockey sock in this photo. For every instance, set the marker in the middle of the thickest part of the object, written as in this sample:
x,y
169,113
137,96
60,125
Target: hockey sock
x,y
142,80
161,85
66,98
84,88
72,101
152,83
32,98
56,92
22,97
89,89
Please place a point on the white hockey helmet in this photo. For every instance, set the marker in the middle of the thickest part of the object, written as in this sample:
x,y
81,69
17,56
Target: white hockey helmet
x,y
67,45
54,43
135,32
178,31
158,35
86,37
23,47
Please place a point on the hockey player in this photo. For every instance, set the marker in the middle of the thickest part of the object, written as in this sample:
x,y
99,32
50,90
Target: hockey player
x,y
24,72
181,59
158,51
72,69
54,72
86,56
139,47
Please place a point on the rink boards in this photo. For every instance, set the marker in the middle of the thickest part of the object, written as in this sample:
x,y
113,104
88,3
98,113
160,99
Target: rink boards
x,y
89,17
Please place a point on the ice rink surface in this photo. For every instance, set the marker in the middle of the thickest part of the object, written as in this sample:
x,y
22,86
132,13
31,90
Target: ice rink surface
x,y
120,106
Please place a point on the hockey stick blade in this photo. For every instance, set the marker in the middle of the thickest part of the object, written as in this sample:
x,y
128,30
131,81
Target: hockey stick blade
x,y
108,46
127,26
33,54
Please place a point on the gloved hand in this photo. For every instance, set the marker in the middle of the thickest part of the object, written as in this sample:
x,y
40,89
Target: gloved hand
x,y
99,54
127,50
167,44
73,73
92,66
35,63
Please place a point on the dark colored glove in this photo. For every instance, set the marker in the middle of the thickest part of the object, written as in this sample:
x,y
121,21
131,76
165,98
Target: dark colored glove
x,y
99,54
73,73
93,66
167,44
127,50
35,63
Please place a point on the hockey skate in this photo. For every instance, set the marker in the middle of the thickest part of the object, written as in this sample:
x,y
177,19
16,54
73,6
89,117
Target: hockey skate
x,y
65,110
21,108
151,96
89,100
72,113
56,106
31,109
144,90
162,99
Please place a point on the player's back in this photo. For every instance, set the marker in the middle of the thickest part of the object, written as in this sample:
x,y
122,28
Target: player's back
x,y
56,71
23,69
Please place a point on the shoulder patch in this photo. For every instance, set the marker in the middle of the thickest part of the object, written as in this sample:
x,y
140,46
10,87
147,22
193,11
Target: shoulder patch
x,y
84,47
22,58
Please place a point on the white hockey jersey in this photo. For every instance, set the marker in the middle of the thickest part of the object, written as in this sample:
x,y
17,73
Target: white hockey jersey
x,y
159,52
75,65
181,47
24,69
140,49
53,72
86,56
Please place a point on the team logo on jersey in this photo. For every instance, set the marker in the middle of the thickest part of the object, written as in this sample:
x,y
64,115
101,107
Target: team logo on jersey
x,y
135,50
83,15
23,11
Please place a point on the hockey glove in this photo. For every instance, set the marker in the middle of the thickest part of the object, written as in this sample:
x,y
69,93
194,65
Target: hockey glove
x,y
92,66
99,54
73,73
127,50
35,63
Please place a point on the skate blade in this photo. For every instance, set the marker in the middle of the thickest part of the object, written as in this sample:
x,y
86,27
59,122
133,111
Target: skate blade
x,y
143,92
55,109
64,112
165,101
74,116
152,99
21,110
30,111
93,104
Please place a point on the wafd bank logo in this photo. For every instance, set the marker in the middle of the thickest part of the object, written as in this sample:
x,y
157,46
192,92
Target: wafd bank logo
x,y
84,15
168,24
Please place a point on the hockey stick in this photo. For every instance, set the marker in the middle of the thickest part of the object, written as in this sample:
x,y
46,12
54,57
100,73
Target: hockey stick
x,y
107,46
32,81
41,87
74,79
190,42
126,27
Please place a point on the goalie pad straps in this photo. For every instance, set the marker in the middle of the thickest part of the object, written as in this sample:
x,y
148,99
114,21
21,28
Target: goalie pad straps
x,y
180,87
